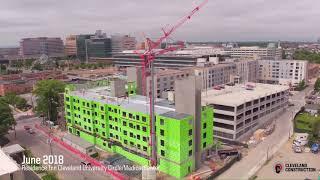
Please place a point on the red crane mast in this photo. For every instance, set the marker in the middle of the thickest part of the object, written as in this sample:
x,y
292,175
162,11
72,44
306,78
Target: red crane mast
x,y
147,59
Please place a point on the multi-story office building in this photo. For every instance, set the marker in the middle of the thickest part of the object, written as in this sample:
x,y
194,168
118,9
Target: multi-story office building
x,y
286,72
99,45
129,59
165,80
35,47
9,51
121,125
211,75
270,52
239,110
121,43
246,71
82,46
93,45
214,75
71,46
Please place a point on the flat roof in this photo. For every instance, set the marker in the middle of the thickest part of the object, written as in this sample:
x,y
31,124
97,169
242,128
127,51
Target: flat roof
x,y
76,140
7,164
134,103
238,94
13,149
175,115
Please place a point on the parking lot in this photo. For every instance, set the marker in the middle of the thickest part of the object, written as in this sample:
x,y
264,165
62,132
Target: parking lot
x,y
286,155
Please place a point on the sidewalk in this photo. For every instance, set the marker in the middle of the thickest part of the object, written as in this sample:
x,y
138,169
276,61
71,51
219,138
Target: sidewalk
x,y
257,157
94,162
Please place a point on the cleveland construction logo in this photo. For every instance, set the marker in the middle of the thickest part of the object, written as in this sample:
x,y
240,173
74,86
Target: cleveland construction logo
x,y
278,168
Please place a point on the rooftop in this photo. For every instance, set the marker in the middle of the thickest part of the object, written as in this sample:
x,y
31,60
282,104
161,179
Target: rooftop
x,y
13,149
135,103
238,94
162,72
175,115
7,165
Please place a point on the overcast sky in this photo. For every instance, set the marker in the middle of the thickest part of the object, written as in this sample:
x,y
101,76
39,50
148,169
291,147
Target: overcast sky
x,y
219,20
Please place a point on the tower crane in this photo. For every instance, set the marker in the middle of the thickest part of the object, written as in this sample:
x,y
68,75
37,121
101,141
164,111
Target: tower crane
x,y
147,62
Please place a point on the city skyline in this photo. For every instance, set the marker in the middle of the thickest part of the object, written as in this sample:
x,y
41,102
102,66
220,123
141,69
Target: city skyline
x,y
218,21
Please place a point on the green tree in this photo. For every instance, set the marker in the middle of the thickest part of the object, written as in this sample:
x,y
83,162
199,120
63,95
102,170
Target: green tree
x,y
307,55
6,118
14,100
28,63
10,98
38,67
47,93
317,85
301,85
21,103
316,129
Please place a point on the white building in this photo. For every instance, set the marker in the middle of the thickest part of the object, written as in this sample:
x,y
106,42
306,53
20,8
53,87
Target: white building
x,y
165,79
240,109
214,75
285,72
270,52
246,71
8,166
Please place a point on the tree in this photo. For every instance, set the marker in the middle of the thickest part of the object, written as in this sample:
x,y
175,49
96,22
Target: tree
x,y
28,63
10,98
47,93
6,118
317,85
301,85
307,55
21,103
283,54
38,67
316,129
14,100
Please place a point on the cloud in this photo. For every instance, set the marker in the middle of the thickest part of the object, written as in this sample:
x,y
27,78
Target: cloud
x,y
219,20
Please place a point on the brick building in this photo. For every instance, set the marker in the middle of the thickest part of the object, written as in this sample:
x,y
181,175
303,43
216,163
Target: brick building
x,y
23,83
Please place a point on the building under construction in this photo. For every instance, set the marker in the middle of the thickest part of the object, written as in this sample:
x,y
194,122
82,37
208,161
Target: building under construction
x,y
117,123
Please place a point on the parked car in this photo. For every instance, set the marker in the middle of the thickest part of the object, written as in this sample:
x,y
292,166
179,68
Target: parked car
x,y
26,127
297,149
315,148
31,131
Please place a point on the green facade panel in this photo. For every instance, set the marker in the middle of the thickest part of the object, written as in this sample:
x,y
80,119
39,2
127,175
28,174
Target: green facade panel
x,y
118,130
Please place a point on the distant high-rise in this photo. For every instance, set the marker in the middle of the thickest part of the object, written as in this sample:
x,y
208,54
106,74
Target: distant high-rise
x,y
121,43
71,45
35,47
82,45
93,45
99,45
318,40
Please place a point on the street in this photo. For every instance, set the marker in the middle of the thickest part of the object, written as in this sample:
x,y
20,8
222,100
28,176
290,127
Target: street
x,y
257,156
38,145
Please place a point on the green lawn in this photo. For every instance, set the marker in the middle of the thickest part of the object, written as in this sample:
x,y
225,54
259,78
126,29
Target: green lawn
x,y
305,122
